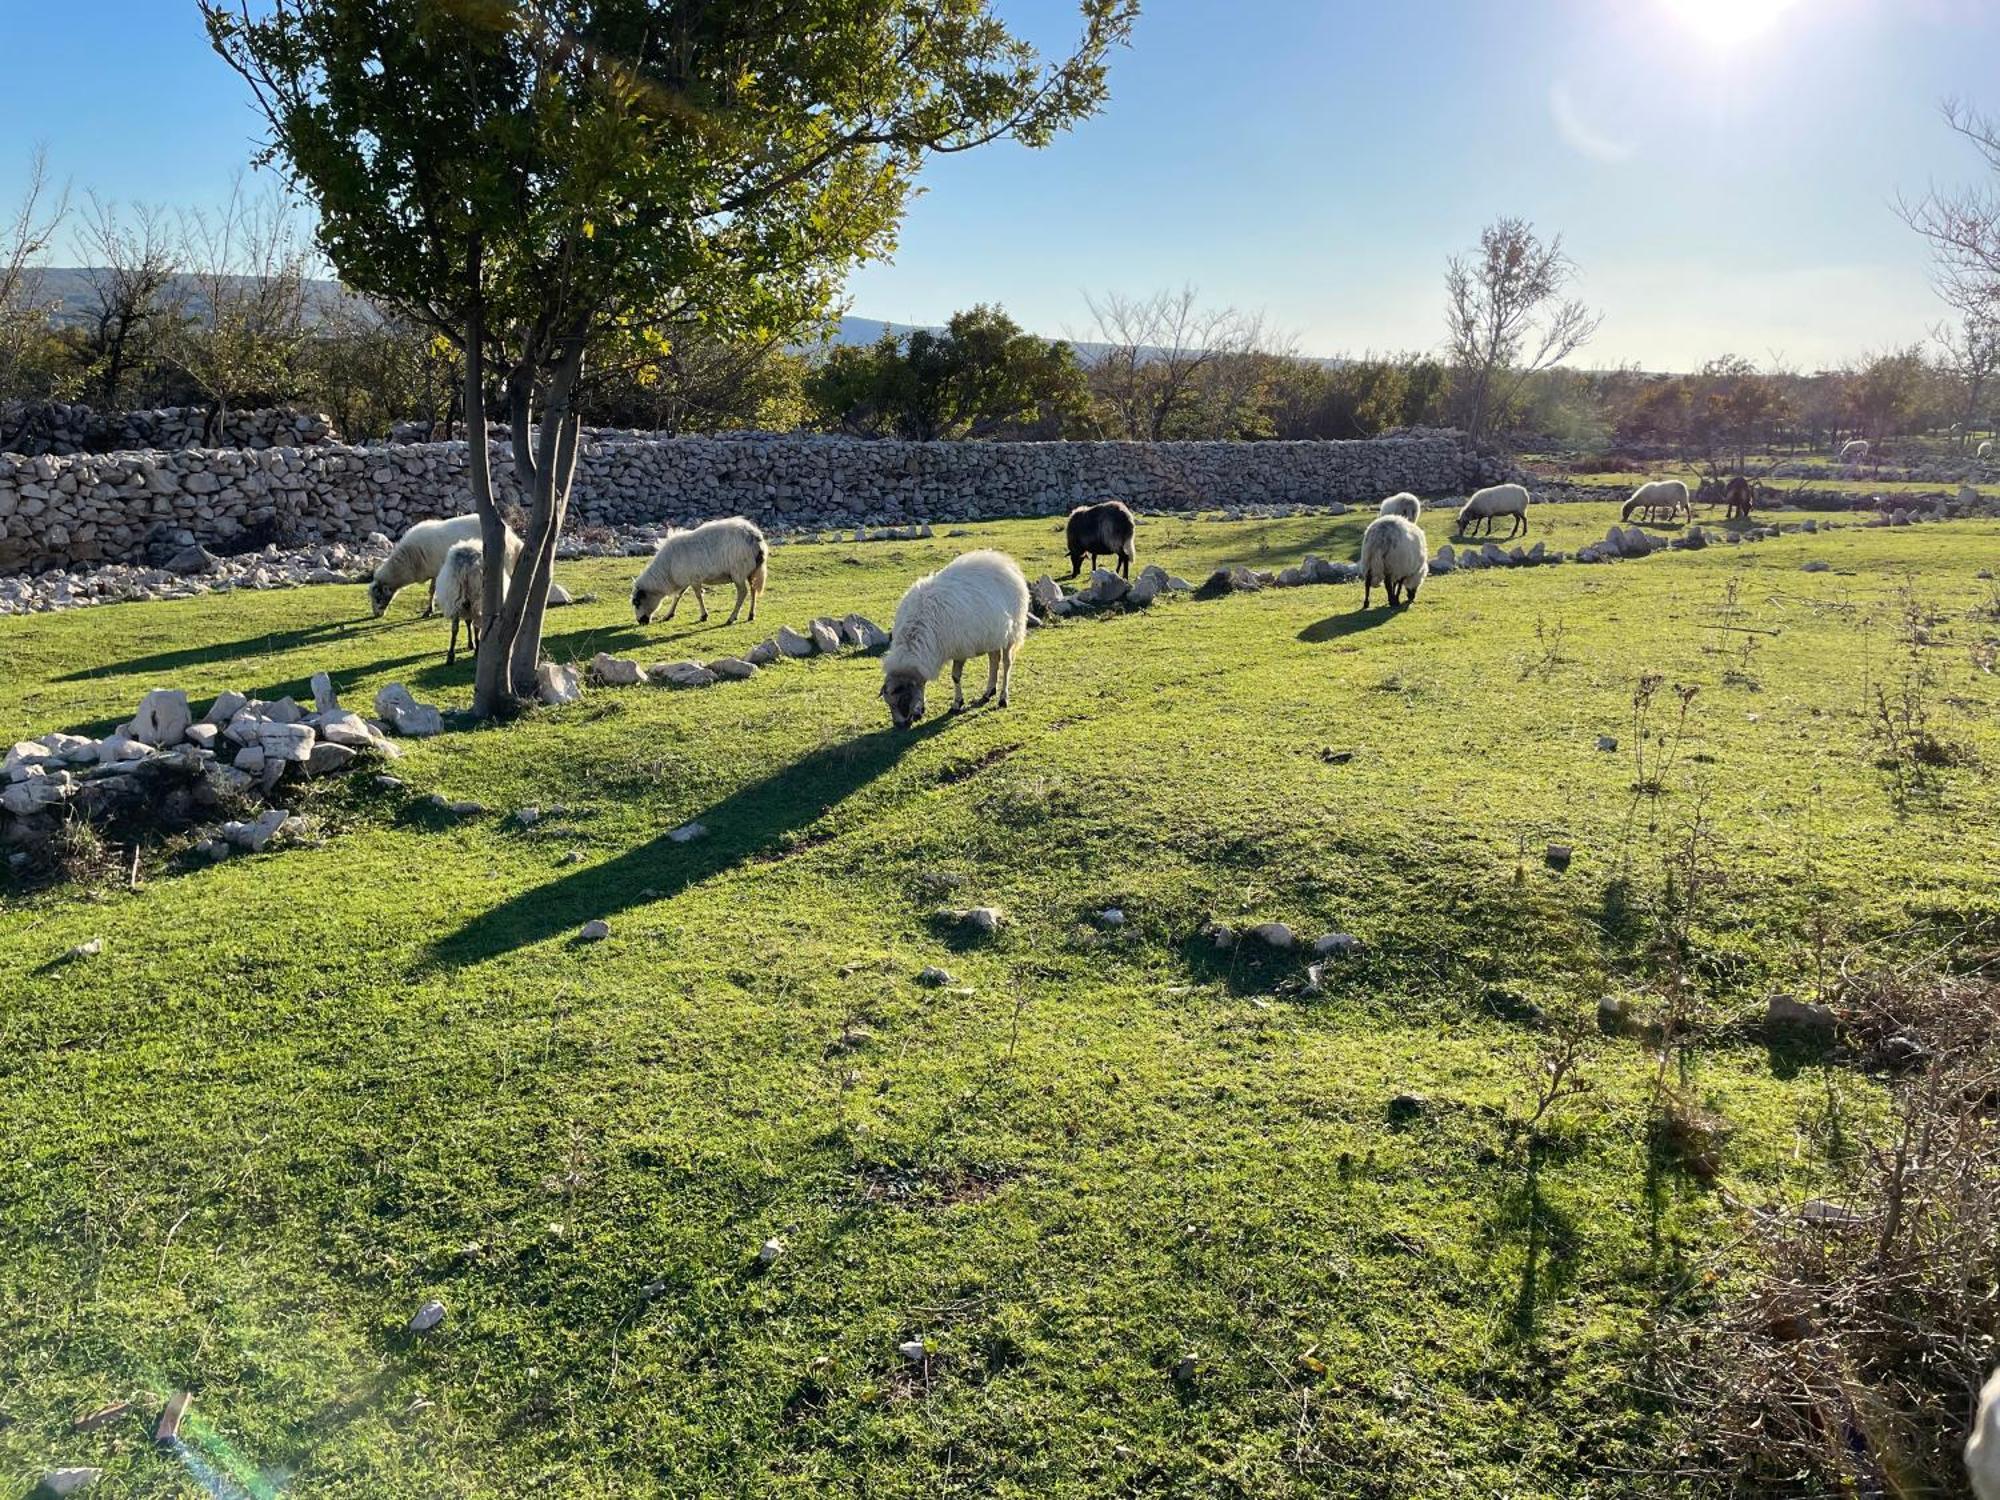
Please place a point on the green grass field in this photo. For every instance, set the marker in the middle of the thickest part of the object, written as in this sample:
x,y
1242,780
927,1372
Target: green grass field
x,y
297,1095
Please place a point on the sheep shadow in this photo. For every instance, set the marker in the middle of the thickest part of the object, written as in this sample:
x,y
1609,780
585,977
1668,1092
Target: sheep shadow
x,y
271,643
752,824
1348,622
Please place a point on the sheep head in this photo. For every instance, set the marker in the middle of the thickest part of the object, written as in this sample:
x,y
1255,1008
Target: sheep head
x,y
904,693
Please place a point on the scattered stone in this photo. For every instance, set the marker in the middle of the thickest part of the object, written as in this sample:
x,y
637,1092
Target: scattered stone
x,y
1606,742
791,643
914,1350
528,817
684,674
1613,1013
1345,944
253,836
934,978
732,666
1111,916
825,636
87,950
1783,1010
102,1417
1817,565
1218,936
1830,1215
556,684
867,634
427,1317
762,654
163,717
770,1252
395,705
327,758
687,833
984,920
70,1481
1186,1369
1272,934
1406,1107
1558,856
324,701
607,670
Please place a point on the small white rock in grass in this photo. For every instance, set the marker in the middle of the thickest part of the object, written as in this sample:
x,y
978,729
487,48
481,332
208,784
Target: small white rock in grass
x,y
595,930
732,666
324,701
1219,936
1186,1370
934,978
1783,1010
427,1317
614,671
1606,742
770,1252
1817,565
88,950
762,654
556,684
791,643
528,817
914,1350
984,919
70,1481
1273,935
390,783
1830,1215
1343,943
687,833
825,636
1111,916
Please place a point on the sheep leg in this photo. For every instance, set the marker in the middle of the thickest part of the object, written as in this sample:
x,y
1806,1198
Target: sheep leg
x,y
451,651
1367,588
1075,563
702,602
1125,564
957,686
674,606
992,678
1006,673
1409,594
1517,526
741,591
431,600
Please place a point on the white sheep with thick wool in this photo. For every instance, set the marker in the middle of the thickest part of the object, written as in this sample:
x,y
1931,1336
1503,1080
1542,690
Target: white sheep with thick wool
x,y
1406,505
731,550
1488,505
1668,496
461,593
975,605
1854,451
1392,554
418,557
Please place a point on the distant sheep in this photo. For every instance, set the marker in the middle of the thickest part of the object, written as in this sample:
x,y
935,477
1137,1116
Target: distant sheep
x,y
1101,529
461,593
1854,451
1509,500
1392,554
1985,450
1406,505
1982,1449
1738,497
419,555
726,551
1662,499
975,605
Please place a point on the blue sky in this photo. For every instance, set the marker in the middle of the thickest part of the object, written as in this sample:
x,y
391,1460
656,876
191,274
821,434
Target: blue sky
x,y
1723,171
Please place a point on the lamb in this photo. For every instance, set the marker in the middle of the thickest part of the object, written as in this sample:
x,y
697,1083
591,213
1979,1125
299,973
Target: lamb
x,y
731,550
419,554
1392,552
1854,451
976,604
1738,497
461,593
1669,495
1106,529
1406,505
1509,500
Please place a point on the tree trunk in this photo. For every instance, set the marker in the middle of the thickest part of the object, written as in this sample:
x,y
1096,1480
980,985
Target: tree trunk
x,y
527,654
491,695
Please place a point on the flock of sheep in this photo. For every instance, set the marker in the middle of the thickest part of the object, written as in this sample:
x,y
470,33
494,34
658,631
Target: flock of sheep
x,y
974,606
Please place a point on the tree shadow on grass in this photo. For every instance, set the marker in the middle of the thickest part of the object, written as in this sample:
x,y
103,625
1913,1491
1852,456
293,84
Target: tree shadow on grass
x,y
753,822
1346,623
269,644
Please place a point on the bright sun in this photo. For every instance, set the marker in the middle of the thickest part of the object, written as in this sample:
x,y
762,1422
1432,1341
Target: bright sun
x,y
1728,24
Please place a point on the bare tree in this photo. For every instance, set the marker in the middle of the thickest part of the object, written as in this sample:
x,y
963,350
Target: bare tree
x,y
1964,227
1508,318
133,268
24,239
245,321
1969,358
1155,352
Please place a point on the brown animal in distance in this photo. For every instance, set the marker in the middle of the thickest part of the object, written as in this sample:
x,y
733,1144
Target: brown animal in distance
x,y
1104,530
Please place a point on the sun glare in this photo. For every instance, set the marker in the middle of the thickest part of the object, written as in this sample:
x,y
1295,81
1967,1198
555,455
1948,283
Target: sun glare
x,y
1730,24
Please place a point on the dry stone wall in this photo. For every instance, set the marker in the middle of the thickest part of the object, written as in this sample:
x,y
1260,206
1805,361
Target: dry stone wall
x,y
60,427
86,508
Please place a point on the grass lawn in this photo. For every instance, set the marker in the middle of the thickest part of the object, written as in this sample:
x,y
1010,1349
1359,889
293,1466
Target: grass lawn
x,y
297,1095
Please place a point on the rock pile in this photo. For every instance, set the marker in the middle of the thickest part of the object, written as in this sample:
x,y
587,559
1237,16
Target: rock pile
x,y
824,636
60,427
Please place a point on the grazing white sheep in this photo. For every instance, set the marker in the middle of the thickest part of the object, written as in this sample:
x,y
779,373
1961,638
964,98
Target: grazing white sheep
x,y
975,605
731,550
1985,450
419,554
1509,500
1406,505
1853,451
1982,1449
461,593
1392,554
1659,495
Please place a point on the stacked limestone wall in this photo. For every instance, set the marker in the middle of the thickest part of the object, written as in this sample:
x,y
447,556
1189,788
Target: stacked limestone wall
x,y
68,510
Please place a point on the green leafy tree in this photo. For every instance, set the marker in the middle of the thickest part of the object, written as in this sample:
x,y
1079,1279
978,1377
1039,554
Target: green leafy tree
x,y
545,181
979,377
